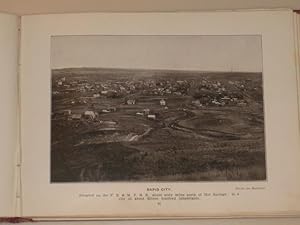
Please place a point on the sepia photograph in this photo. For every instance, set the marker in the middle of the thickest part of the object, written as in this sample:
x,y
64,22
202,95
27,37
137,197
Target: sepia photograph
x,y
157,108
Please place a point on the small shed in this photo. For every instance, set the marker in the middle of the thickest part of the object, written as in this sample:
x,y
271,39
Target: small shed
x,y
197,102
130,102
151,116
76,116
67,112
162,102
89,114
146,111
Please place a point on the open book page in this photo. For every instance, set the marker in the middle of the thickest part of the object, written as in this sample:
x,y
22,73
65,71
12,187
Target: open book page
x,y
159,115
8,113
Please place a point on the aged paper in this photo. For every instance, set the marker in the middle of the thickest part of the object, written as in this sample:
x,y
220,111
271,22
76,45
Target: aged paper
x,y
110,197
9,113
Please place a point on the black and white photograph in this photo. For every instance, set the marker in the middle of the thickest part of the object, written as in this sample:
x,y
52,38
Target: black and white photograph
x,y
157,108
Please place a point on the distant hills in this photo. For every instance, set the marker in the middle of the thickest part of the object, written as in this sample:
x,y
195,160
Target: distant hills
x,y
140,73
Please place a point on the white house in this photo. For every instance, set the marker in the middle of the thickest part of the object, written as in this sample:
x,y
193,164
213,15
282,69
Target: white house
x,y
162,102
90,114
130,102
96,95
151,116
76,116
197,102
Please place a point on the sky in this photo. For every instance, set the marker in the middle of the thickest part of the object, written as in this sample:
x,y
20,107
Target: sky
x,y
204,53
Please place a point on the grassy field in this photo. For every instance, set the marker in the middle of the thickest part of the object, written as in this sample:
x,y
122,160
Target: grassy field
x,y
186,142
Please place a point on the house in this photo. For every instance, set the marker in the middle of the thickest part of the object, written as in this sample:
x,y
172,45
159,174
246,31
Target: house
x,y
122,88
216,102
67,112
89,114
225,98
151,116
76,116
88,86
162,102
74,82
109,124
146,111
140,114
242,103
96,95
112,109
104,92
197,102
132,87
130,102
71,89
59,83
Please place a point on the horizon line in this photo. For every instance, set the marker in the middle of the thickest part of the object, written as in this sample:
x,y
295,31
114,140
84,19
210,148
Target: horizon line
x,y
157,69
